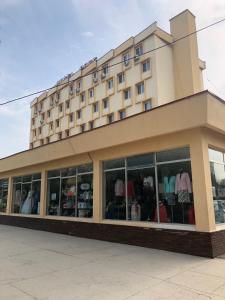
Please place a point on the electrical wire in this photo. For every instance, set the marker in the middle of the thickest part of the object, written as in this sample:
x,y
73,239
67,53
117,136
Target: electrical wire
x,y
109,66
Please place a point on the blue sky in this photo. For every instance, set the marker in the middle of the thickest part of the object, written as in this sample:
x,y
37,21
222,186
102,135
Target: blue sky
x,y
41,41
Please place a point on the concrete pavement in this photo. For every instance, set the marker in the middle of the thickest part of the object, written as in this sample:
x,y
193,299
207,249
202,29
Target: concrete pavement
x,y
41,265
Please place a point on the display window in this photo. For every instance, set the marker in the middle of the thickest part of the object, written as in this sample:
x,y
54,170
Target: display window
x,y
217,168
70,192
3,194
154,187
26,194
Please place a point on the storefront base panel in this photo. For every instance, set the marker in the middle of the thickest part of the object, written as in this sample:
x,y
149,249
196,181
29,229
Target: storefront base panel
x,y
182,241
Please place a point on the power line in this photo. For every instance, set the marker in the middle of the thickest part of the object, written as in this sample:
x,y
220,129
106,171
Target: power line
x,y
120,62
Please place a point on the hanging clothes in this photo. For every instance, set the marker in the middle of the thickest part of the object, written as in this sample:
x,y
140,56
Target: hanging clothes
x,y
148,182
119,188
183,183
191,215
169,184
163,218
135,212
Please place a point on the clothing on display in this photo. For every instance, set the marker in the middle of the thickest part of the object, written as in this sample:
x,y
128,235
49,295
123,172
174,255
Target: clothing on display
x,y
191,215
183,182
170,198
148,182
135,212
119,188
27,204
163,218
184,197
169,184
130,189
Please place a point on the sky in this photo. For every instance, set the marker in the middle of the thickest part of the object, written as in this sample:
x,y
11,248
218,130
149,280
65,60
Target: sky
x,y
41,41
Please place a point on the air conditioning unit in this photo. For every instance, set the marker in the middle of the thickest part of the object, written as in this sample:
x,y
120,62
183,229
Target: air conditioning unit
x,y
103,75
77,90
136,58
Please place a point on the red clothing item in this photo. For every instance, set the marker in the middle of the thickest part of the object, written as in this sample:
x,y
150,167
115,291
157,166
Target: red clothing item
x,y
191,215
130,188
162,214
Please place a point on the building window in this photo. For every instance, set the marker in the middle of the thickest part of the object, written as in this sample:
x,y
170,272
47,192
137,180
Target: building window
x,y
79,114
41,142
105,70
95,77
70,192
34,132
91,125
33,121
71,89
26,194
127,94
60,108
147,105
130,191
82,128
59,135
217,167
139,50
67,104
110,118
122,114
71,117
146,66
51,126
31,145
35,109
121,78
3,195
110,84
51,101
40,106
58,96
105,103
95,107
91,93
42,117
140,88
49,113
126,59
57,123
47,140
39,130
67,133
82,97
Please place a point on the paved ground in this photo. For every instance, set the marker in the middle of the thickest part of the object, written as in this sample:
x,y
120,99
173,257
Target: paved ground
x,y
40,265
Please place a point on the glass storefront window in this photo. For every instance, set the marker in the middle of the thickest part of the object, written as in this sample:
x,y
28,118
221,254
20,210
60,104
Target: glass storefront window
x,y
3,194
217,167
153,187
26,194
70,192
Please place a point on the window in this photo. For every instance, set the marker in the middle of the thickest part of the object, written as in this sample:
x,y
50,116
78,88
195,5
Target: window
x,y
26,194
95,107
140,88
34,132
51,126
67,104
59,135
47,140
49,113
60,108
82,97
70,192
58,95
82,128
71,89
51,101
139,50
122,114
95,77
146,66
110,84
71,117
110,118
147,105
126,60
78,84
67,133
57,123
3,194
217,167
39,130
105,69
41,142
42,117
121,78
33,121
79,114
127,94
35,109
105,103
91,93
131,191
91,125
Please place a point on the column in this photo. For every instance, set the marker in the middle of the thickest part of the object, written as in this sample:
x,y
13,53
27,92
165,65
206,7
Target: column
x,y
97,191
43,195
9,198
203,202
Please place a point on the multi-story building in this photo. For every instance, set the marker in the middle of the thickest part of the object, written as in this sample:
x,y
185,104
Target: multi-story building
x,y
156,178
145,71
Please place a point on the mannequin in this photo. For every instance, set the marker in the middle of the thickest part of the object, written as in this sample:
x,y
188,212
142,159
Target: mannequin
x,y
26,206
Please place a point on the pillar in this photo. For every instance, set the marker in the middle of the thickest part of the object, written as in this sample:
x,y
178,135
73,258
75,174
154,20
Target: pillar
x,y
43,196
202,186
9,197
97,191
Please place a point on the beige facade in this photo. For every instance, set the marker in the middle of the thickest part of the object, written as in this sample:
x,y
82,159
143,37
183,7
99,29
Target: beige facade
x,y
125,81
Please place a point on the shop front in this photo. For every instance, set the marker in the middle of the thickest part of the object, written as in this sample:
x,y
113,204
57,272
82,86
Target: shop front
x,y
160,186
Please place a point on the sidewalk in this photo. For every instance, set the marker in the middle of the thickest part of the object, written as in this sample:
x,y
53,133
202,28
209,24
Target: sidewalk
x,y
41,265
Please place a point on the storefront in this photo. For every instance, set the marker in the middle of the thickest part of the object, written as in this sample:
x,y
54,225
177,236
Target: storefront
x,y
138,181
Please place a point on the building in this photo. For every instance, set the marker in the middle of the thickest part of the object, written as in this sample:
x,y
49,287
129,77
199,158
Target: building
x,y
155,178
125,81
